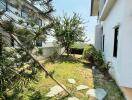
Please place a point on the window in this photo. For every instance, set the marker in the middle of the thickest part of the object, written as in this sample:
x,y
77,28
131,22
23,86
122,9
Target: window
x,y
39,21
2,5
13,9
39,43
116,42
24,12
12,42
103,43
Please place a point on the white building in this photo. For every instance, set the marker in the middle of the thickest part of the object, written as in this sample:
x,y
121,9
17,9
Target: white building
x,y
26,13
114,37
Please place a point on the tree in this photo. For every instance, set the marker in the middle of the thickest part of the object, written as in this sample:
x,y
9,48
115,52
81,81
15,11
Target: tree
x,y
13,59
68,30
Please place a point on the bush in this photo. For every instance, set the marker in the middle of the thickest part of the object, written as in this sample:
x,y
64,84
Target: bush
x,y
8,26
93,56
40,51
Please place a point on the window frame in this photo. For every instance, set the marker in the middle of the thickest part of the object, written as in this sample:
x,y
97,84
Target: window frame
x,y
116,35
103,42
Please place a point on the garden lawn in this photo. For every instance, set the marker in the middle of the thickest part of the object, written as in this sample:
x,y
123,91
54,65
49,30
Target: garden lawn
x,y
62,71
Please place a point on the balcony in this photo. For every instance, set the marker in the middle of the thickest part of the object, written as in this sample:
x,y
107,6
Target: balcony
x,y
105,8
18,14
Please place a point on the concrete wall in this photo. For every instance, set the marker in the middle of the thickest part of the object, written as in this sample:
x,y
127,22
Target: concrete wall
x,y
49,51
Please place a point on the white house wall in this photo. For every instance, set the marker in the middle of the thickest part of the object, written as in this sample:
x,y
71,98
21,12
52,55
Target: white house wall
x,y
126,46
116,17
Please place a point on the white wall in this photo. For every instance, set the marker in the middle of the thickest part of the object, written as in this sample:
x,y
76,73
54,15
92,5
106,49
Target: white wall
x,y
126,46
49,51
121,14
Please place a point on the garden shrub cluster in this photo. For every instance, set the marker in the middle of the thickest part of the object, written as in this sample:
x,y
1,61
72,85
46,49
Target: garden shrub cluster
x,y
77,48
95,57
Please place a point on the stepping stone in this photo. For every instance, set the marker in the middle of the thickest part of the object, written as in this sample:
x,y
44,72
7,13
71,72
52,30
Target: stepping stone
x,y
55,91
98,93
72,81
82,87
73,98
93,67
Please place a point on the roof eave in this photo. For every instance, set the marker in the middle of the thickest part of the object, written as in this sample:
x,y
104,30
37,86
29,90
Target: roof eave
x,y
94,7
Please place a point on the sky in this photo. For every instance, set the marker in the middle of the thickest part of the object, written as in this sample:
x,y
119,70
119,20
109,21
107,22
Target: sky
x,y
82,7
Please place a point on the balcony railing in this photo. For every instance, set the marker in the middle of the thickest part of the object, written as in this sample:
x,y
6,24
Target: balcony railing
x,y
20,14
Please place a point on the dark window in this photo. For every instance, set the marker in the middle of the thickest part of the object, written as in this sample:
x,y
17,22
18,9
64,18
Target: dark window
x,y
12,42
103,41
24,12
115,42
39,43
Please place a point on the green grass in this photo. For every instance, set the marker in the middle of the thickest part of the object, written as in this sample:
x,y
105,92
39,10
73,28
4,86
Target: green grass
x,y
62,71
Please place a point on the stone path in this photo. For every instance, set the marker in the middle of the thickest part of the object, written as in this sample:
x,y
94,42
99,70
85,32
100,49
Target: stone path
x,y
72,81
82,87
55,91
97,93
73,98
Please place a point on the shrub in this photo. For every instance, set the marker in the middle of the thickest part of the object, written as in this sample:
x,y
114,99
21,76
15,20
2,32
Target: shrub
x,y
8,26
40,51
91,54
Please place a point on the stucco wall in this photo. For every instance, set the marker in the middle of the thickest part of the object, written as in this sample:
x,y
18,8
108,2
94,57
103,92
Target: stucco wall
x,y
126,46
121,14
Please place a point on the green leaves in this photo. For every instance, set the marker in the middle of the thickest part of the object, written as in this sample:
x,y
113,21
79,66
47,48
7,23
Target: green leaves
x,y
68,30
8,26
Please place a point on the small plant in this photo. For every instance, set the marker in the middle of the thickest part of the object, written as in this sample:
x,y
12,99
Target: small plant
x,y
106,66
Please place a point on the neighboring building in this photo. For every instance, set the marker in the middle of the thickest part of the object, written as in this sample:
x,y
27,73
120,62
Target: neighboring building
x,y
114,37
26,13
23,13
